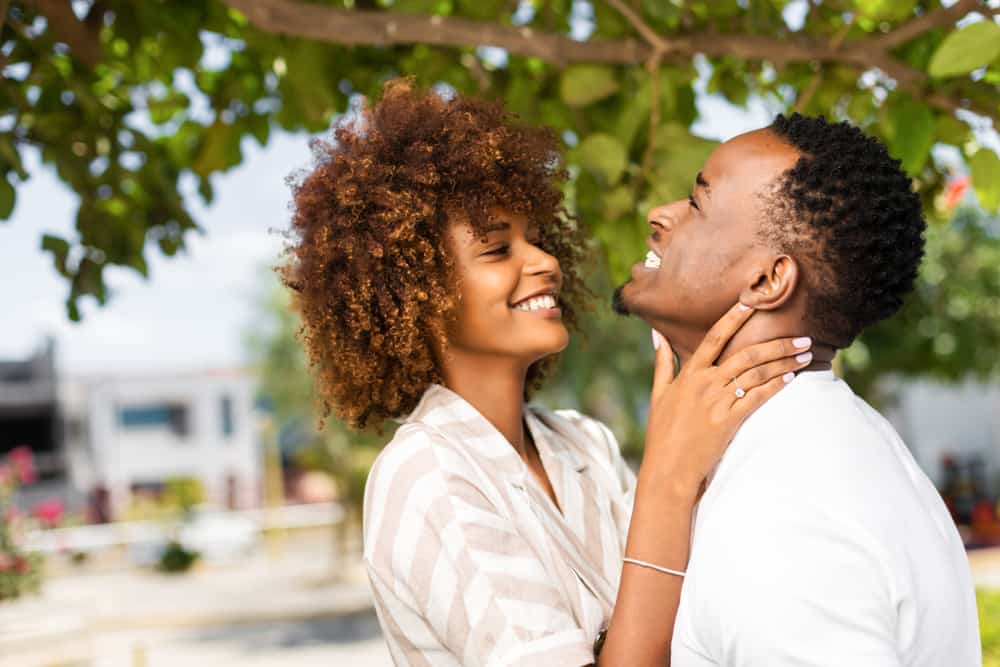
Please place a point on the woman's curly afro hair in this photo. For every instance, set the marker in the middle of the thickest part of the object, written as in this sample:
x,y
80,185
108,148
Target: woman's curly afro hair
x,y
369,256
850,211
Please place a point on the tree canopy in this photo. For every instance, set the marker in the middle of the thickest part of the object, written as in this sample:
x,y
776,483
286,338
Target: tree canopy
x,y
130,102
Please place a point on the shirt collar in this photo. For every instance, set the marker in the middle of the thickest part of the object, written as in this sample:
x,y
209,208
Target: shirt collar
x,y
451,414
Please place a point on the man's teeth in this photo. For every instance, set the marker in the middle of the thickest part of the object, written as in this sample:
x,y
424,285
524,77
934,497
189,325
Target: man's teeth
x,y
538,302
652,260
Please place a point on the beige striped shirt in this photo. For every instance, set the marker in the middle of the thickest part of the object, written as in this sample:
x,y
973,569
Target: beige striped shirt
x,y
469,560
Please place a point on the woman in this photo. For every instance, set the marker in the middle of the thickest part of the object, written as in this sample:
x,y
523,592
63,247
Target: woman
x,y
436,272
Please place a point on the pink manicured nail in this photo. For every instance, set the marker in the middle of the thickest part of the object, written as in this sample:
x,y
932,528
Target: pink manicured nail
x,y
804,357
656,339
788,377
744,307
802,342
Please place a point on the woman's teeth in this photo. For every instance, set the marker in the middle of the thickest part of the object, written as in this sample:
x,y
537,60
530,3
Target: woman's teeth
x,y
652,260
537,303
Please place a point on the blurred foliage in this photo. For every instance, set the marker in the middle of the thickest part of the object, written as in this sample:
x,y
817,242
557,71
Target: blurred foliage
x,y
175,559
183,493
175,502
949,328
283,373
988,602
138,105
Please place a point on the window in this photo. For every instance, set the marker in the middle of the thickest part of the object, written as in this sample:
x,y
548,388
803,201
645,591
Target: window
x,y
170,416
226,410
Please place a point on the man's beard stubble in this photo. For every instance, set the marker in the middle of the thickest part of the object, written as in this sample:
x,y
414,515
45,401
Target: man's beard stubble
x,y
618,302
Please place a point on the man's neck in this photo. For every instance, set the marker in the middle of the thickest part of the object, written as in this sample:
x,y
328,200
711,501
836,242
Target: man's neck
x,y
761,328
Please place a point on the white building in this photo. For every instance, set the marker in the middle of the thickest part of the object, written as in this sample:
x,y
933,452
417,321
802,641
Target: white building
x,y
132,433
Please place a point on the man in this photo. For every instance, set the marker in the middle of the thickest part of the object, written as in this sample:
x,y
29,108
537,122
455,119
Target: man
x,y
818,540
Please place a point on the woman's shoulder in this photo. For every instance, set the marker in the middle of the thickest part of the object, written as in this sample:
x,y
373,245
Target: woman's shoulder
x,y
413,451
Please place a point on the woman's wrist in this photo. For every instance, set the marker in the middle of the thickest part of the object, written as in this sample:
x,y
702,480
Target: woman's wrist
x,y
666,489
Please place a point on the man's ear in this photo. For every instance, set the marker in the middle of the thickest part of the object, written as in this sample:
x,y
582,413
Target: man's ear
x,y
772,285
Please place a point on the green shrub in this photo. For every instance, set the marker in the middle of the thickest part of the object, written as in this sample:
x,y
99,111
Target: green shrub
x,y
988,602
176,559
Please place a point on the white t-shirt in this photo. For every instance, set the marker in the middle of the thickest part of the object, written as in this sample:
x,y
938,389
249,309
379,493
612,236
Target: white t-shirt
x,y
820,542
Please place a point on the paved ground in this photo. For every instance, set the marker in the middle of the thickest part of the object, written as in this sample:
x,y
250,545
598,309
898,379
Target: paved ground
x,y
297,607
294,607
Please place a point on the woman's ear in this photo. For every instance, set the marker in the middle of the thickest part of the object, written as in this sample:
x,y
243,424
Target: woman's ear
x,y
772,285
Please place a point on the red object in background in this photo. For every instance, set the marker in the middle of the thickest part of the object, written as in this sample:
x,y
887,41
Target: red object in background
x,y
23,461
954,190
49,512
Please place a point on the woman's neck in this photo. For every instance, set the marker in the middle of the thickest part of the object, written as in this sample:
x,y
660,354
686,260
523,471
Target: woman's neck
x,y
494,387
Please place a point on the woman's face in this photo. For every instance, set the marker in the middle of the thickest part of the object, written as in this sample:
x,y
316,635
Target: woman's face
x,y
509,289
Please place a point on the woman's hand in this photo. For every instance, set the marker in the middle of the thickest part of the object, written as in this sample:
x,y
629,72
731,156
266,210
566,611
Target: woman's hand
x,y
693,416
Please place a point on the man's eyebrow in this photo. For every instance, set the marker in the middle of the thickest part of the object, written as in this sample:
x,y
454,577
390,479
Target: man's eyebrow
x,y
700,180
496,227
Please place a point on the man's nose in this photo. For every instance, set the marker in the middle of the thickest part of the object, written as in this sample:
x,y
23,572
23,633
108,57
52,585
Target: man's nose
x,y
663,216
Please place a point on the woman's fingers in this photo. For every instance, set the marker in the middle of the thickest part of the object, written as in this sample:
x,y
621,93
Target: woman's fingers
x,y
755,398
783,368
761,354
663,363
719,335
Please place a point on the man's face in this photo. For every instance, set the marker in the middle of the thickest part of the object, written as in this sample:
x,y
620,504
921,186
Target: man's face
x,y
708,247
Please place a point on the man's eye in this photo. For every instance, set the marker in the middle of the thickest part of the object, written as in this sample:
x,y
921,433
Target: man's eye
x,y
693,203
502,250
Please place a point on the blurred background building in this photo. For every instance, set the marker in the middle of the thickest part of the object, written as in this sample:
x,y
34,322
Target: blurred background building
x,y
99,440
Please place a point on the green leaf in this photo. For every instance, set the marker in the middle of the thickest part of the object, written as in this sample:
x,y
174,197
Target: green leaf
x,y
603,155
967,49
950,130
913,133
7,198
885,10
582,85
60,250
220,150
986,178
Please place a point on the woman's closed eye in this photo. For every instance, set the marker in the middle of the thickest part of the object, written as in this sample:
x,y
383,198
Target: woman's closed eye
x,y
693,203
499,250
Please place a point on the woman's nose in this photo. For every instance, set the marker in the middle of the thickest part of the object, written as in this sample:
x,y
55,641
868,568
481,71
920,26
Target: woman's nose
x,y
540,262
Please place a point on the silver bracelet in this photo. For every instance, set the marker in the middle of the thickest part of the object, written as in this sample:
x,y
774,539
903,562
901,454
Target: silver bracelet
x,y
664,570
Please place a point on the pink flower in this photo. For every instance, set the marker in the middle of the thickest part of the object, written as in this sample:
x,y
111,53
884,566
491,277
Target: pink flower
x,y
49,512
23,461
21,565
954,190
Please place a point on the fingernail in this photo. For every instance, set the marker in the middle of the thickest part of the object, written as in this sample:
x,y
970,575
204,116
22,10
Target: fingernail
x,y
802,342
744,307
788,377
804,357
656,339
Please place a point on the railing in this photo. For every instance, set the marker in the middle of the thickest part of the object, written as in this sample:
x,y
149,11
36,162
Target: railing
x,y
97,537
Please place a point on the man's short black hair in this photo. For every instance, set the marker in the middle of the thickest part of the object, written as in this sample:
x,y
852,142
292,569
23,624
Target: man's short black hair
x,y
848,212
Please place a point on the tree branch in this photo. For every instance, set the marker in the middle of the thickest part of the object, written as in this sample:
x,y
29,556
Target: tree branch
x,y
4,4
83,40
946,16
379,28
376,28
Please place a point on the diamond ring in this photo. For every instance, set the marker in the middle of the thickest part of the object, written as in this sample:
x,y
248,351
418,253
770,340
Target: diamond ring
x,y
739,391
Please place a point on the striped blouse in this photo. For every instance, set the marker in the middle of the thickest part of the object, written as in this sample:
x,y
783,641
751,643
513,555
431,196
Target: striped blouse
x,y
469,560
